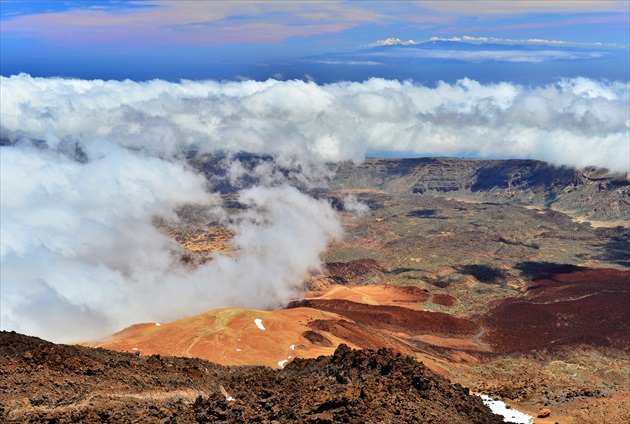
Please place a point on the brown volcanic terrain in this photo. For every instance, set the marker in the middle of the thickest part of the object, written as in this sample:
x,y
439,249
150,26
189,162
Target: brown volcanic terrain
x,y
468,266
571,307
590,193
44,382
528,327
394,318
373,319
227,336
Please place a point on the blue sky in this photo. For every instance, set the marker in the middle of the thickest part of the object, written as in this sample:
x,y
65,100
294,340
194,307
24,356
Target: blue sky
x,y
196,39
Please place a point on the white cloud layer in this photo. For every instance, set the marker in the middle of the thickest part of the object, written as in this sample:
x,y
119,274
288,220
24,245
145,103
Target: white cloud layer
x,y
481,40
574,122
391,41
480,56
90,163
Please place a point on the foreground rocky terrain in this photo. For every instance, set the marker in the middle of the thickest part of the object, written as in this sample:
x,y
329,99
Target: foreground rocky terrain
x,y
44,382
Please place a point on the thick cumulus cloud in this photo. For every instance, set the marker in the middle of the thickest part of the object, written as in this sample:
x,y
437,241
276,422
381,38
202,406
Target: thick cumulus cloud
x,y
574,122
87,165
80,256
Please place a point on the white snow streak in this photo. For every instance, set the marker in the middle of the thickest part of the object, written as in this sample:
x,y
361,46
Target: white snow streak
x,y
510,415
259,324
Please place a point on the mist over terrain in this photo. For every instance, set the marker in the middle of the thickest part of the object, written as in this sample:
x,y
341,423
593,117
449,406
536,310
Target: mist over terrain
x,y
87,165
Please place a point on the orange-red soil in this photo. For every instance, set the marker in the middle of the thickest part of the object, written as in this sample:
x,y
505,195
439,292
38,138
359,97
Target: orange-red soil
x,y
565,308
373,316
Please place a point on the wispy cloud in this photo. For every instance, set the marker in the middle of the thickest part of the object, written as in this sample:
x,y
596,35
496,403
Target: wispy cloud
x,y
227,22
191,22
482,40
470,56
519,7
543,22
472,50
533,41
348,62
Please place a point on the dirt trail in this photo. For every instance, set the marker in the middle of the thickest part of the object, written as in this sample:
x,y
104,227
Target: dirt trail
x,y
476,341
426,302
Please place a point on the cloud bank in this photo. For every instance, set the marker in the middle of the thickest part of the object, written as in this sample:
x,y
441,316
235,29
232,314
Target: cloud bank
x,y
87,165
409,55
392,41
575,122
81,258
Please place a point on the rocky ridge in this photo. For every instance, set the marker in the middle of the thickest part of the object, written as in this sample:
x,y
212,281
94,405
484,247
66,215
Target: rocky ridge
x,y
590,193
44,382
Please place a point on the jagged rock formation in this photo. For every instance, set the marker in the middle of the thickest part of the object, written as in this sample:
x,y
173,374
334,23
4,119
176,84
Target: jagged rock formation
x,y
44,382
590,193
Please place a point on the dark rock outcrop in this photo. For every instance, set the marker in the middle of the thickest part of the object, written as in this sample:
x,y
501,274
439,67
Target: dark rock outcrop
x,y
45,382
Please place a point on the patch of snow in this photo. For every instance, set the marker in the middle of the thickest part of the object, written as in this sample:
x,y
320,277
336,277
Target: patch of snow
x,y
226,394
259,323
283,363
292,347
135,348
157,324
511,415
238,350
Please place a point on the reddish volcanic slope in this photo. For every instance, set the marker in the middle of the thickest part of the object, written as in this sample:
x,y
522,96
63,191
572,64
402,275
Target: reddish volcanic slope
x,y
372,316
228,337
395,318
571,306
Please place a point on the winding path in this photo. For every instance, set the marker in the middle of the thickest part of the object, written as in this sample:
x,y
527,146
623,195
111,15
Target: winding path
x,y
187,353
476,341
426,302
